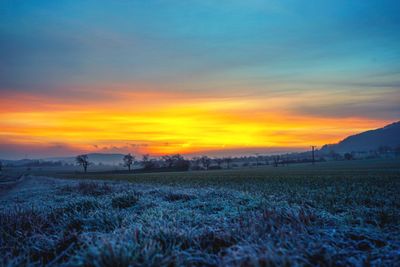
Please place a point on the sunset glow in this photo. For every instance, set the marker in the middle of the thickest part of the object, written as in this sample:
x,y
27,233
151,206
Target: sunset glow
x,y
194,78
169,123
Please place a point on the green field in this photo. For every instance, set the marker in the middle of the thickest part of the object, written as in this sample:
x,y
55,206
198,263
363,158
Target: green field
x,y
241,176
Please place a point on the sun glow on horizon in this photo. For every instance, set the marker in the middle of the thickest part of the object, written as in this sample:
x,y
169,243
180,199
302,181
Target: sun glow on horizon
x,y
164,123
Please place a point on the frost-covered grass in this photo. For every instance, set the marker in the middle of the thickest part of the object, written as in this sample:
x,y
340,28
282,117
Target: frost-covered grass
x,y
283,220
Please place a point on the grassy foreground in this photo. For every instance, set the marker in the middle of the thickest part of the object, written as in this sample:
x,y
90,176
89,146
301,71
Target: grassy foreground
x,y
331,214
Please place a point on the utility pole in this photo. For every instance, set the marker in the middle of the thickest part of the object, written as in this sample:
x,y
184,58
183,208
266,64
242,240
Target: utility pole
x,y
313,154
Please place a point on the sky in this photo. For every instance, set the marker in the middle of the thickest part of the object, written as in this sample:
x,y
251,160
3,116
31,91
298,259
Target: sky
x,y
194,77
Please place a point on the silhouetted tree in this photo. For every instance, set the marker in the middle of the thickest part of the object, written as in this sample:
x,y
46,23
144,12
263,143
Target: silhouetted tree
x,y
205,161
83,160
147,162
175,161
276,160
196,161
1,166
180,162
228,161
128,161
219,161
257,157
169,160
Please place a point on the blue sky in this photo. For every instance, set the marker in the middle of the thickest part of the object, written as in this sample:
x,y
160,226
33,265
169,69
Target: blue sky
x,y
46,43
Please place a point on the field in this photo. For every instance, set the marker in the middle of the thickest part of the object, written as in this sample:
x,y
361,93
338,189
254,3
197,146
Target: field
x,y
330,214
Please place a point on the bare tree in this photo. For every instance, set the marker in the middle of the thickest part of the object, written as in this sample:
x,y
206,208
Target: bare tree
x,y
83,160
205,161
228,161
276,159
196,161
175,161
219,161
257,156
169,160
147,162
128,161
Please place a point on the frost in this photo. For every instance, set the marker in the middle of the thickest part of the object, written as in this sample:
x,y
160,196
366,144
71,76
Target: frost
x,y
92,223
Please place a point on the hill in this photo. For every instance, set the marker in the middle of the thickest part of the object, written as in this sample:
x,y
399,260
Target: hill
x,y
369,140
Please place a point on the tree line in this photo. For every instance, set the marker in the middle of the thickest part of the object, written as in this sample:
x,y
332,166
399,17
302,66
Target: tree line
x,y
179,163
167,162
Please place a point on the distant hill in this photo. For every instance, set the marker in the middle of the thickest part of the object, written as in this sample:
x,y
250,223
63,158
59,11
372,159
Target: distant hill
x,y
369,140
